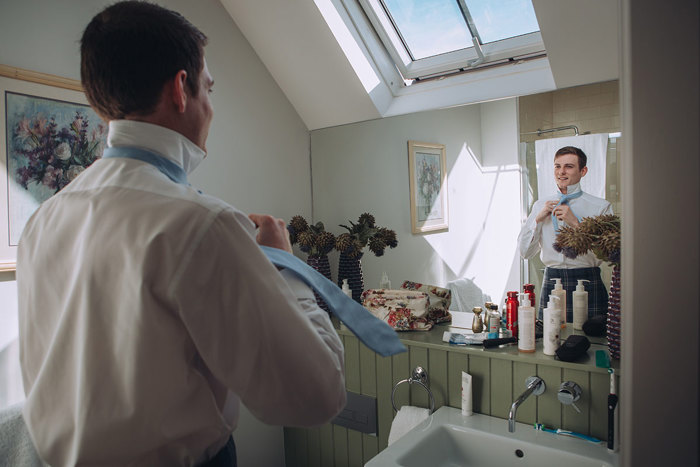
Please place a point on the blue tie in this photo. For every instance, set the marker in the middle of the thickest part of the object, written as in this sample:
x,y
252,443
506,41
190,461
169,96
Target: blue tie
x,y
373,332
565,200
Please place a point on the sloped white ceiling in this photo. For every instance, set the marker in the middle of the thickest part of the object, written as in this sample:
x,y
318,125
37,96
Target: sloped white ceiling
x,y
298,48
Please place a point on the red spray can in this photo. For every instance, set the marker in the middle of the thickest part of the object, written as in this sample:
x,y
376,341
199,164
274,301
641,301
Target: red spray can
x,y
530,290
512,313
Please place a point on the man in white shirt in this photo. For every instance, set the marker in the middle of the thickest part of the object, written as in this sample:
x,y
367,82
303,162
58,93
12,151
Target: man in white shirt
x,y
566,208
147,309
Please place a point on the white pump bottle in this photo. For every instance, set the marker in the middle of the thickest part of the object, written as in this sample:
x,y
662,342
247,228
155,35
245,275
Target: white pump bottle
x,y
580,305
561,294
526,324
552,325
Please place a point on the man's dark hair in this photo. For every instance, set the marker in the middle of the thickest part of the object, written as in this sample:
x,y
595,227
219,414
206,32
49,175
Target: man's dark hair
x,y
130,49
582,159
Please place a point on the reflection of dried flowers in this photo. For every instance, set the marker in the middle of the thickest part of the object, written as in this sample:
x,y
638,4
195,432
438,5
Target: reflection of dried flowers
x,y
364,233
312,239
600,234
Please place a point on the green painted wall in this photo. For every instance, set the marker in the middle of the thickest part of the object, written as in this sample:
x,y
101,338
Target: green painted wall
x,y
498,377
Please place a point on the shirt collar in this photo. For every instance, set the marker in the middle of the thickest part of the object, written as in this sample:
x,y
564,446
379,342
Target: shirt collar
x,y
572,189
163,141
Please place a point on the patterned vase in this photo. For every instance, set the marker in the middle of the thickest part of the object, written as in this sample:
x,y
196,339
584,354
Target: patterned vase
x,y
351,269
322,265
614,314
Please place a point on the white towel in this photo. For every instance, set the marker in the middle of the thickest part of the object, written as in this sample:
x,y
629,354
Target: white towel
x,y
466,294
595,147
407,418
16,446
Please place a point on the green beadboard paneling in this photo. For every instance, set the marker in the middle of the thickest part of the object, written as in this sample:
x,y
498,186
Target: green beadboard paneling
x,y
418,356
368,371
456,364
400,371
571,419
527,412
370,447
326,439
437,376
313,441
352,364
548,406
598,410
340,446
497,381
479,368
385,413
354,448
501,387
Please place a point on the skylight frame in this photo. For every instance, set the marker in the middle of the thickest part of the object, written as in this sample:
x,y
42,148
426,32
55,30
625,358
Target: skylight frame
x,y
511,48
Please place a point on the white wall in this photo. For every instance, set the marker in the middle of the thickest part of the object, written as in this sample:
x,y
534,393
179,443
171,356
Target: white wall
x,y
258,146
363,167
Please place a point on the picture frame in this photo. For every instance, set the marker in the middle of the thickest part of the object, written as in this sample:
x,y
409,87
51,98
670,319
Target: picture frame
x,y
428,187
48,135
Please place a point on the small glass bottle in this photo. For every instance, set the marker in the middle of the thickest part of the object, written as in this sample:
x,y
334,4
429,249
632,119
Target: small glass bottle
x,y
477,324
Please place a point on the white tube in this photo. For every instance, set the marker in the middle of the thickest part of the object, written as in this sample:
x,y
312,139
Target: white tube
x,y
466,394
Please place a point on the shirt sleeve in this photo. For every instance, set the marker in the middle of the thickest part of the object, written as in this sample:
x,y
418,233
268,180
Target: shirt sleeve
x,y
259,330
530,236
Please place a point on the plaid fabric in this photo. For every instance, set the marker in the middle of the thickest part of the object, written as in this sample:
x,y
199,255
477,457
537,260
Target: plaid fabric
x,y
597,293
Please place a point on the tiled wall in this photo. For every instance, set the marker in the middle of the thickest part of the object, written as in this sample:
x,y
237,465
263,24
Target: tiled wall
x,y
497,381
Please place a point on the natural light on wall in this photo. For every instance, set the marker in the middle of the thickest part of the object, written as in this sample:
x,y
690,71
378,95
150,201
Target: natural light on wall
x,y
352,51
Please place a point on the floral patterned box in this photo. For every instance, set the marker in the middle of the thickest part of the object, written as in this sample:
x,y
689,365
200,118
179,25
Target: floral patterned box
x,y
403,310
439,298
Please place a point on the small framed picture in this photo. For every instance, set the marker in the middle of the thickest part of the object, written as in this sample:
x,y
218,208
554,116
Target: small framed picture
x,y
428,184
48,135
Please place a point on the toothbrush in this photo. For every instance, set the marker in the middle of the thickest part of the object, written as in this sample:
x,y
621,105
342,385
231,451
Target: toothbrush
x,y
612,404
559,431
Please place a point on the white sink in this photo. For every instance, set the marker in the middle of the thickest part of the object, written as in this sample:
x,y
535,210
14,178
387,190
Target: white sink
x,y
448,439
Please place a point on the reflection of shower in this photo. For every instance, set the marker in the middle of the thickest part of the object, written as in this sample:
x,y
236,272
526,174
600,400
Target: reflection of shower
x,y
552,130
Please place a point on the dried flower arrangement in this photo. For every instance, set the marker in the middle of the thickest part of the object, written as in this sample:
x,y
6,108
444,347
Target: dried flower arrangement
x,y
364,233
313,240
600,234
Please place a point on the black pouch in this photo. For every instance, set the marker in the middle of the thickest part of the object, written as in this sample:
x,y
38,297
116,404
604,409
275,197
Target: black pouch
x,y
573,348
595,326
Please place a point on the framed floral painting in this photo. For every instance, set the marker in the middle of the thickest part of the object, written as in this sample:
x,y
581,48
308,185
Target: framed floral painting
x,y
428,184
48,135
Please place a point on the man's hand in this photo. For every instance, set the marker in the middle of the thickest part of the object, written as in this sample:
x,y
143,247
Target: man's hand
x,y
272,232
546,211
564,213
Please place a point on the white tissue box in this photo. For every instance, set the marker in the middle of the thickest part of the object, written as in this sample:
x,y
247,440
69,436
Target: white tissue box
x,y
461,319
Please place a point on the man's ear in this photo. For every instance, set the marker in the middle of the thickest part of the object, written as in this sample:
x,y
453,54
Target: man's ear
x,y
584,171
179,93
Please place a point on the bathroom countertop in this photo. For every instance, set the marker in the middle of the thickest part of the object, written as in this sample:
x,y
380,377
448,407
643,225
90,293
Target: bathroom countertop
x,y
433,339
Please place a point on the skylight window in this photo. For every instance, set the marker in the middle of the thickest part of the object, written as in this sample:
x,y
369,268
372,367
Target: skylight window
x,y
428,38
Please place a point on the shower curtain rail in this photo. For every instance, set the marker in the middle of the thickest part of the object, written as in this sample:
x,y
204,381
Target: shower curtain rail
x,y
551,130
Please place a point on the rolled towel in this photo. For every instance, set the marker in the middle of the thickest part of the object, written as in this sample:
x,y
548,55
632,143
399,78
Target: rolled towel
x,y
406,419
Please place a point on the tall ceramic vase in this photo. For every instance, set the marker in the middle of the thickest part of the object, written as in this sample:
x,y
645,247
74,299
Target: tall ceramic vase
x,y
351,269
614,314
321,264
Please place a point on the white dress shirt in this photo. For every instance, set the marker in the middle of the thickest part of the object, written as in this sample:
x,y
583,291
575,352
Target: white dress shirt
x,y
147,311
540,237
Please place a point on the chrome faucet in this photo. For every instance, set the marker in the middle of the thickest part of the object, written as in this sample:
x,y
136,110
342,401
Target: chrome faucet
x,y
534,385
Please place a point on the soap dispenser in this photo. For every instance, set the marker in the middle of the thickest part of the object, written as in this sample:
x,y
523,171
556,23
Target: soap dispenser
x,y
385,282
579,304
561,293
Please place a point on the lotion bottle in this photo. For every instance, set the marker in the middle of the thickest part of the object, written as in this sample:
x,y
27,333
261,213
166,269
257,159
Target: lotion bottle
x,y
526,325
579,303
561,294
552,326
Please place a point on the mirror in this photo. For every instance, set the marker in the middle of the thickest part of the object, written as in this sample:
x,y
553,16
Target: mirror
x,y
364,167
